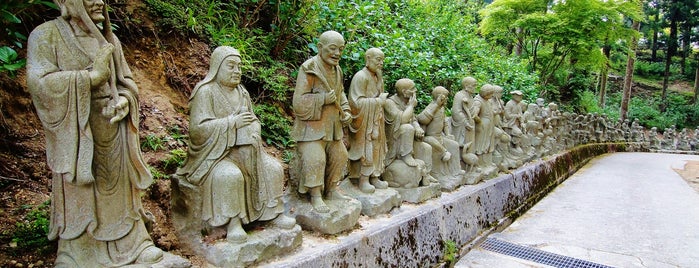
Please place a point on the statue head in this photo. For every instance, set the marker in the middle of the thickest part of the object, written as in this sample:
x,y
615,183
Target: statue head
x,y
516,95
224,68
468,84
82,10
540,102
440,94
405,88
497,91
487,91
374,60
330,47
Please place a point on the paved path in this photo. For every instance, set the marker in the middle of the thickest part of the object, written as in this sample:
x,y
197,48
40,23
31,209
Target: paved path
x,y
619,210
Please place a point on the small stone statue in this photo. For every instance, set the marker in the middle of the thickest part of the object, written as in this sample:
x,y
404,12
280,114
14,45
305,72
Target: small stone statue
x,y
513,113
446,162
367,137
462,123
483,115
87,101
239,182
321,109
404,137
409,159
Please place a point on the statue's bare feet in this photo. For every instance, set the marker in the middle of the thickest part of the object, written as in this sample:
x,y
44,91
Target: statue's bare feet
x,y
410,161
149,255
365,186
379,184
335,195
319,205
236,234
427,180
284,222
446,156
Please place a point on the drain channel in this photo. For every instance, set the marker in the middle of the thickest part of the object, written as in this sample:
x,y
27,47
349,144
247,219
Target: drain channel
x,y
537,255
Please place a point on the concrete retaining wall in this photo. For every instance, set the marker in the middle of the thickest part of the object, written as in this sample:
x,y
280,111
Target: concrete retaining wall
x,y
415,235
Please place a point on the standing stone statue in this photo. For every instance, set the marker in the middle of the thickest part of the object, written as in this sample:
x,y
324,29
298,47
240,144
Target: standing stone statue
x,y
228,179
367,136
321,110
461,120
483,115
409,159
446,162
87,101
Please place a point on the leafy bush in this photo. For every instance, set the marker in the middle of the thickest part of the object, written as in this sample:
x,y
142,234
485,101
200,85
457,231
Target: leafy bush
x,y
31,233
680,112
175,159
9,61
277,127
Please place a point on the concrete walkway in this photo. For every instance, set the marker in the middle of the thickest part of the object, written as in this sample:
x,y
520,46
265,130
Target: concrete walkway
x,y
620,210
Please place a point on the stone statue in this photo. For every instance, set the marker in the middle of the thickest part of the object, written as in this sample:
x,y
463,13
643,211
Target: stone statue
x,y
87,101
409,159
446,162
683,140
239,182
367,137
404,137
513,113
321,109
484,145
228,179
461,120
668,142
653,140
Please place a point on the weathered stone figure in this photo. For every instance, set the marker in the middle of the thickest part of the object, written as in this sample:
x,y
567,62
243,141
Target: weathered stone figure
x,y
513,113
239,183
404,137
446,166
87,101
482,112
367,137
461,120
321,109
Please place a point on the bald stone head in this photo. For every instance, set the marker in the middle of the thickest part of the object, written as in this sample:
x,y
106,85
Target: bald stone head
x,y
330,47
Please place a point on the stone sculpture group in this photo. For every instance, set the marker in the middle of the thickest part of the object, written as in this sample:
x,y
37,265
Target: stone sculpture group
x,y
358,151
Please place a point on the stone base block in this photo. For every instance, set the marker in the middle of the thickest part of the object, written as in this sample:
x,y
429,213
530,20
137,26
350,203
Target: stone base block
x,y
472,178
420,194
379,202
260,245
172,261
343,215
450,183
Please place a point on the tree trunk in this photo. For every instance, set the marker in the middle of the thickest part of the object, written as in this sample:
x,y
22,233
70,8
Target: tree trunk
x,y
604,75
671,49
654,46
628,77
696,83
686,33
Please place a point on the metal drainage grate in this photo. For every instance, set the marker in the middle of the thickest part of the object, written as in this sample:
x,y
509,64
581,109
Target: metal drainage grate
x,y
537,255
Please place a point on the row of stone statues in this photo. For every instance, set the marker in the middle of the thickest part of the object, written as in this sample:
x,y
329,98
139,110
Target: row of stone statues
x,y
87,101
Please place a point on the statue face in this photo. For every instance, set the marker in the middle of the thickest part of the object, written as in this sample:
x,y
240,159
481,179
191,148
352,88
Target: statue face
x,y
375,63
331,51
517,98
229,72
94,9
407,92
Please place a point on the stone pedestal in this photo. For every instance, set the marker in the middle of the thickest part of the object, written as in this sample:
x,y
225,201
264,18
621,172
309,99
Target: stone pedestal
x,y
343,215
450,183
473,177
420,194
261,243
379,202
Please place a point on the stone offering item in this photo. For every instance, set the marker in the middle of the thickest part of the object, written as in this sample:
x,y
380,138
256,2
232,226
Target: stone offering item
x,y
446,158
228,180
321,110
409,159
87,102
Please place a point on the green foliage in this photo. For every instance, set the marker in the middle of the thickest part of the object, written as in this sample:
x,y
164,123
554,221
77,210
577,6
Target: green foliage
x,y
277,126
431,42
287,155
680,112
9,61
31,232
450,251
157,174
152,143
175,159
655,70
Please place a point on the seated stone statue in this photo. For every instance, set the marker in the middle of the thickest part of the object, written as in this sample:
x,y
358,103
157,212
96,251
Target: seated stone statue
x,y
87,101
446,160
409,159
238,182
